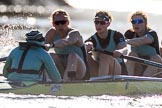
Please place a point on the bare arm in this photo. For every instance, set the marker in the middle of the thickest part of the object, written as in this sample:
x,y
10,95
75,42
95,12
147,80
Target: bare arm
x,y
73,38
140,41
49,36
121,49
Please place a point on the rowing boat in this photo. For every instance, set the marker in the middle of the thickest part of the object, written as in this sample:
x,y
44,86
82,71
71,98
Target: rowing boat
x,y
103,85
107,85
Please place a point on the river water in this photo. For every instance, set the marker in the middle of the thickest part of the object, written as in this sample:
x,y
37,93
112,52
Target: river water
x,y
104,101
82,19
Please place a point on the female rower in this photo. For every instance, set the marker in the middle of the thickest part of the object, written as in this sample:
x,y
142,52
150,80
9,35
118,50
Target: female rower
x,y
68,46
109,40
144,44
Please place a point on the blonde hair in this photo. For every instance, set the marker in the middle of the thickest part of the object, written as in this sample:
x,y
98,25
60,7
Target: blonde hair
x,y
140,13
59,12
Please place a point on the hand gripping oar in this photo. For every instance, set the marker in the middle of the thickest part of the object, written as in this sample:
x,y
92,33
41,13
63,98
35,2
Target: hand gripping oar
x,y
140,60
3,59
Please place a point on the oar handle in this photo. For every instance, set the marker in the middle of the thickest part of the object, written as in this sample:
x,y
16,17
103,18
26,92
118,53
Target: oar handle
x,y
3,59
104,51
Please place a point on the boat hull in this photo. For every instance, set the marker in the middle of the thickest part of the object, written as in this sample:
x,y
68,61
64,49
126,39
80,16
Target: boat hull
x,y
92,89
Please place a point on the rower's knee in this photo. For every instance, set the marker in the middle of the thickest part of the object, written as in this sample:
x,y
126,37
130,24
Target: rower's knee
x,y
156,58
118,69
106,59
72,56
133,54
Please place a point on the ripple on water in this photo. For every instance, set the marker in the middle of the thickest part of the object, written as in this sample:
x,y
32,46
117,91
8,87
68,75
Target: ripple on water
x,y
104,101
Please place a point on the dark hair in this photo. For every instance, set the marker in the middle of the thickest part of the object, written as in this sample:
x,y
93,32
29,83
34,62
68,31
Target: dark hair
x,y
104,14
35,35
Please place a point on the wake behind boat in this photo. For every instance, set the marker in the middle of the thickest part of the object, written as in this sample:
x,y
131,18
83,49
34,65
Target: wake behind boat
x,y
107,85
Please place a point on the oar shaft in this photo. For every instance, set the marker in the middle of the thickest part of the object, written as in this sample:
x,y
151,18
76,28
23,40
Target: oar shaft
x,y
140,60
3,59
143,61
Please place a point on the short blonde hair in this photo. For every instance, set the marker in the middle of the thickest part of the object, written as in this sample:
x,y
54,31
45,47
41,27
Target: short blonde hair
x,y
59,12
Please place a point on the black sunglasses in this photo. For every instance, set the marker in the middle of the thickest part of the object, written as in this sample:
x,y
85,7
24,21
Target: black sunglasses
x,y
60,22
100,22
137,21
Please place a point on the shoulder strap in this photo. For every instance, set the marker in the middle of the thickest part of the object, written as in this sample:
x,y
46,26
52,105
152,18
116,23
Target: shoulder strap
x,y
111,38
112,33
22,58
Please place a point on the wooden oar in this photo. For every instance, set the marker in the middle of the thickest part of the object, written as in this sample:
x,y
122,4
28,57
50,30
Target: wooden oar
x,y
140,60
3,59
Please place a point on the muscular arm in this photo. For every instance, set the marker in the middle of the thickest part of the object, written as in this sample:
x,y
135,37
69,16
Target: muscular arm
x,y
122,48
73,38
121,45
49,36
140,40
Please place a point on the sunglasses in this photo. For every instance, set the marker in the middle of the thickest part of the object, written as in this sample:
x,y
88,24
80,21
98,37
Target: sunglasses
x,y
100,22
60,22
137,21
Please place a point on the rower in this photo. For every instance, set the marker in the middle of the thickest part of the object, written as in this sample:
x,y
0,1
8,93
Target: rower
x,y
68,53
144,44
101,64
